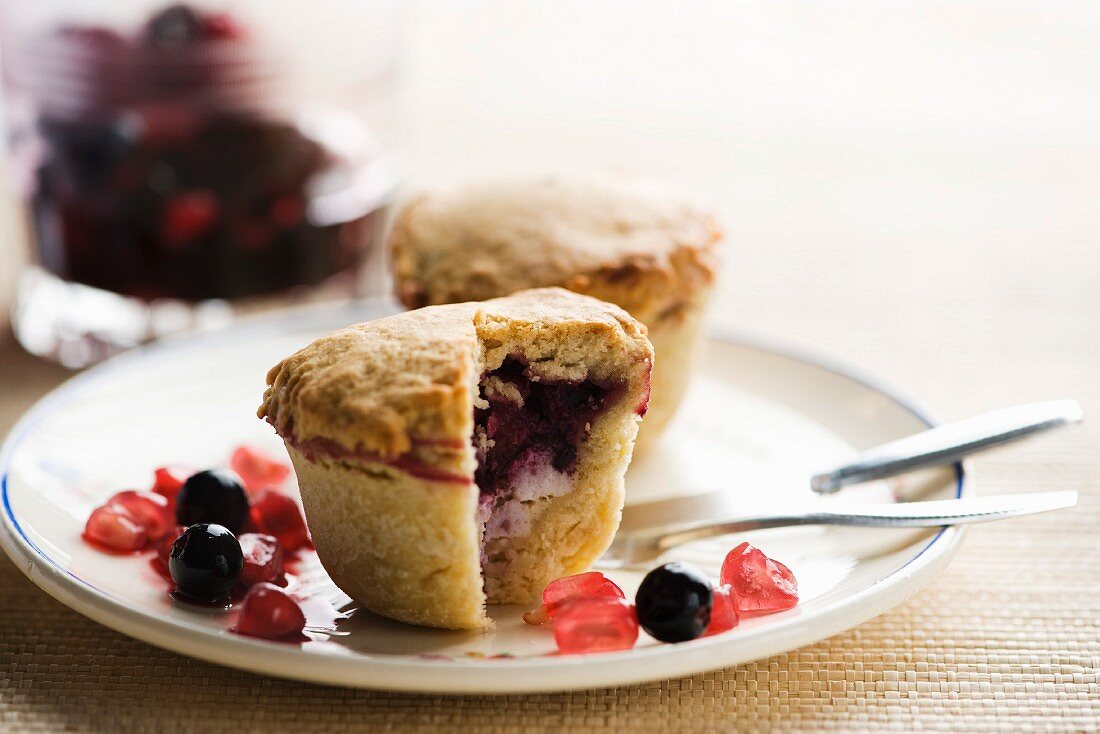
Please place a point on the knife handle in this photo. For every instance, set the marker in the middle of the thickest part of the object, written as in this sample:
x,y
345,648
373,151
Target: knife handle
x,y
950,442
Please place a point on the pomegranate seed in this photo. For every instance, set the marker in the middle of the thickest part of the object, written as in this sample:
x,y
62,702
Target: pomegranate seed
x,y
723,615
221,27
188,216
278,515
167,123
253,236
287,211
263,559
595,624
114,528
568,588
269,612
259,471
761,585
148,508
169,481
164,547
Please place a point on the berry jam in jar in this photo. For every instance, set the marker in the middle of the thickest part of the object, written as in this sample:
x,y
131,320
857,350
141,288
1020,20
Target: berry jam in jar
x,y
174,169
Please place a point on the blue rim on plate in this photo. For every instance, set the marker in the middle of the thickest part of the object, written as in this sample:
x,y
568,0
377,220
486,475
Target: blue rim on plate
x,y
58,581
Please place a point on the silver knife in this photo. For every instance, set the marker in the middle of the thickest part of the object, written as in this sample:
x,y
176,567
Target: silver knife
x,y
950,442
647,530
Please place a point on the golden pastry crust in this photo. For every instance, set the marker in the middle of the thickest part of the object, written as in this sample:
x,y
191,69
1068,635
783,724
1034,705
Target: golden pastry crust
x,y
640,247
401,385
404,547
378,419
392,387
615,239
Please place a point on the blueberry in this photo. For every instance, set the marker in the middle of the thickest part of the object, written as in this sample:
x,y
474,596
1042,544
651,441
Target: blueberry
x,y
205,562
674,602
90,151
174,26
214,495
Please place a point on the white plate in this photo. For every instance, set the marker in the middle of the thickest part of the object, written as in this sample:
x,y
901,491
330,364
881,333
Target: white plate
x,y
757,420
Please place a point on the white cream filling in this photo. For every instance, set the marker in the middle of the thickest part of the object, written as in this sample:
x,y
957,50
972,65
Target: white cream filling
x,y
509,515
534,479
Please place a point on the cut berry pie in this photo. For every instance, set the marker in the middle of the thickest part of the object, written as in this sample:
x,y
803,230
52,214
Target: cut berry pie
x,y
651,252
462,454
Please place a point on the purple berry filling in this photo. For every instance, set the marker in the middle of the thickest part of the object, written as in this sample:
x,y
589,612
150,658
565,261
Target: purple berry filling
x,y
528,417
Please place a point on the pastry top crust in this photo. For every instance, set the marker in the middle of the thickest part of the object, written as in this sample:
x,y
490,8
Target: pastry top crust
x,y
613,238
406,384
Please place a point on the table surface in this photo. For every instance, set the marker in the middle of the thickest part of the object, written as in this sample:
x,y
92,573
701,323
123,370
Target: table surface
x,y
927,207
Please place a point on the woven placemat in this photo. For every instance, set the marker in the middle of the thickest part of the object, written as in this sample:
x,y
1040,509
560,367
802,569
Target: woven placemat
x,y
1007,639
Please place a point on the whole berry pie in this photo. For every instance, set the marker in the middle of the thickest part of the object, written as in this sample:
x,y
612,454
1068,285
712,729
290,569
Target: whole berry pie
x,y
467,453
651,252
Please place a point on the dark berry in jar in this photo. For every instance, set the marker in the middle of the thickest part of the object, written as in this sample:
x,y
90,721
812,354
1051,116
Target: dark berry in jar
x,y
87,152
205,562
222,27
214,495
174,26
674,602
187,217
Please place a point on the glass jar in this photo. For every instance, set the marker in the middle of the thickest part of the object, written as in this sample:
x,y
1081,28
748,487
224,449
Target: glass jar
x,y
178,164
